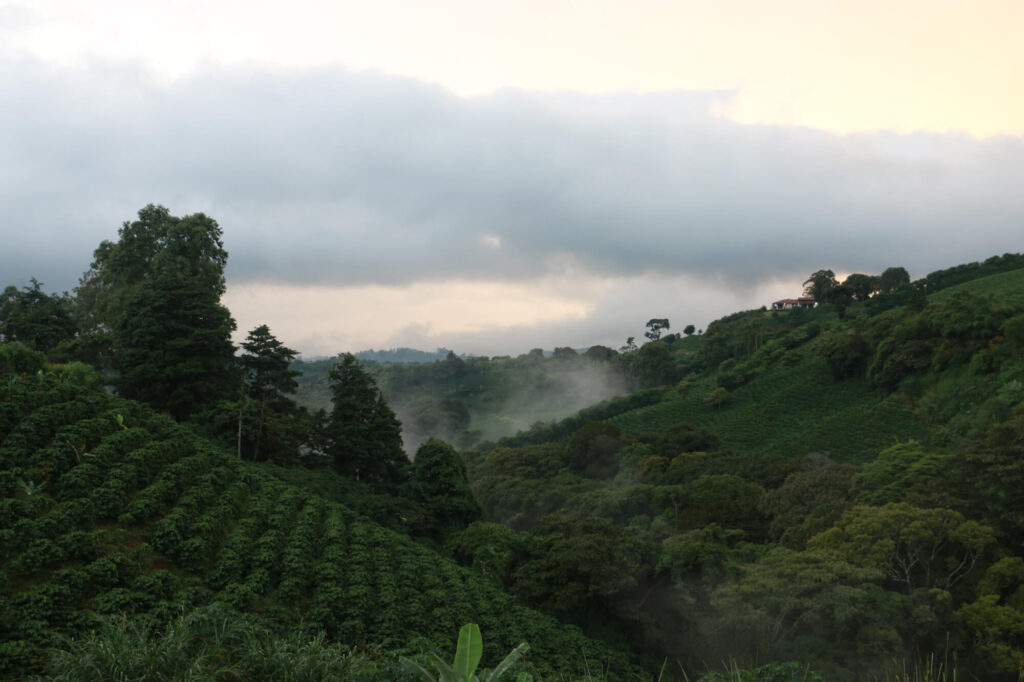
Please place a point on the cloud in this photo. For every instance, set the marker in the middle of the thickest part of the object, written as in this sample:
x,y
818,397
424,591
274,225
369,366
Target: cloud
x,y
487,318
338,179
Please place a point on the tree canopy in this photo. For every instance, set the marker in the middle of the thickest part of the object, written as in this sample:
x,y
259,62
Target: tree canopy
x,y
365,436
159,289
819,284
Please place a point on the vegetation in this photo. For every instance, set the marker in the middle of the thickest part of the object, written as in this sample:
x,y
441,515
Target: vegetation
x,y
821,493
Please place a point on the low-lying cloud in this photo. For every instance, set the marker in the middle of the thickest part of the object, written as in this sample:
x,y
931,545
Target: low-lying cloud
x,y
340,179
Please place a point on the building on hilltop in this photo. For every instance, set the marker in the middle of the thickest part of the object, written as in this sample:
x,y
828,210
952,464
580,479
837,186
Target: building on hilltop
x,y
791,303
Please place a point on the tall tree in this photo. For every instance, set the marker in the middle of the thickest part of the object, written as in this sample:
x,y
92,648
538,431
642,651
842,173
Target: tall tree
x,y
861,286
120,267
892,279
36,319
654,328
174,346
440,482
268,380
819,284
158,289
365,436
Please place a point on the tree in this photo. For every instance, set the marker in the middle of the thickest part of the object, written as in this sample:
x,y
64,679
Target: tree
x,y
817,494
174,346
630,345
364,434
652,365
845,354
915,547
440,482
819,283
268,379
688,330
34,318
564,353
717,397
160,287
580,562
120,267
830,610
892,279
861,286
593,450
599,354
655,327
996,618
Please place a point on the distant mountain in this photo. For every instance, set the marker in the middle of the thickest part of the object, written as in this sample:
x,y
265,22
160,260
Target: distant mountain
x,y
402,355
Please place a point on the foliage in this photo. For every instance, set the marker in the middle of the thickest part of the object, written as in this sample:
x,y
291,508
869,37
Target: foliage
x,y
592,450
651,365
809,500
830,613
174,347
996,617
819,284
717,397
966,272
268,380
790,671
905,472
32,317
655,327
18,359
439,481
911,546
366,438
158,289
136,514
845,354
211,643
856,497
467,658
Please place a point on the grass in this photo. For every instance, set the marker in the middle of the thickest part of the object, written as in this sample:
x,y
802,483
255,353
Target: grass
x,y
207,644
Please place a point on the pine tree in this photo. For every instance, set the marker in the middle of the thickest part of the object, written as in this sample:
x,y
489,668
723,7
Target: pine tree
x,y
268,380
365,435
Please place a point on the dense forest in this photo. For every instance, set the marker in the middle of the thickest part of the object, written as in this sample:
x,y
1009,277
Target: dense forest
x,y
832,492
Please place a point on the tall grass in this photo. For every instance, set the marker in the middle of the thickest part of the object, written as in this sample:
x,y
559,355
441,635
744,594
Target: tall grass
x,y
207,644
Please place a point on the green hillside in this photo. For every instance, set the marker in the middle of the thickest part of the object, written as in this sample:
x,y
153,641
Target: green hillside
x,y
795,405
789,409
778,477
109,508
836,489
1007,287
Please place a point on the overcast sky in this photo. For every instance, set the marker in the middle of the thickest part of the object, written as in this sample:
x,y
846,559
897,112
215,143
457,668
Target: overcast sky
x,y
493,176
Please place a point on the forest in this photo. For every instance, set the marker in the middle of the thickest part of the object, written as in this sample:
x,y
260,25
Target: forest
x,y
825,493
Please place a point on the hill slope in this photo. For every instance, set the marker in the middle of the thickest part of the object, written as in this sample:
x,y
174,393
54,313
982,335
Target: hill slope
x,y
110,508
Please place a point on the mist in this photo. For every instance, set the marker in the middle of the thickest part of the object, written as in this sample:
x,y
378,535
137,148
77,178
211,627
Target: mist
x,y
546,391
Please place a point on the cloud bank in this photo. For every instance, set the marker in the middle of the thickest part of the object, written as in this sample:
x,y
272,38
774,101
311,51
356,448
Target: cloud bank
x,y
332,177
325,177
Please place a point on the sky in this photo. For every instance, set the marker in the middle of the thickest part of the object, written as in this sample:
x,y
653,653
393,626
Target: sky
x,y
497,175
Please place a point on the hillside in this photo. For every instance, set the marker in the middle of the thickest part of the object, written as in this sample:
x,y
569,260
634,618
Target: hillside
x,y
109,508
747,472
836,489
